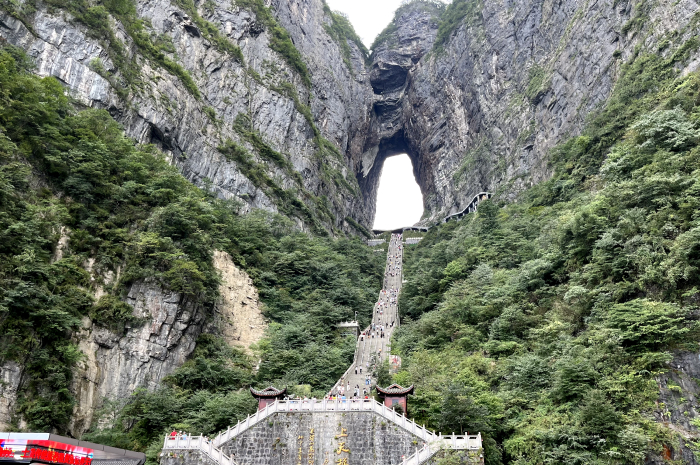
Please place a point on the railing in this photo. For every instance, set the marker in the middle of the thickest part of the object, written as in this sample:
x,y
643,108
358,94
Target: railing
x,y
335,387
433,442
454,442
326,405
478,198
200,444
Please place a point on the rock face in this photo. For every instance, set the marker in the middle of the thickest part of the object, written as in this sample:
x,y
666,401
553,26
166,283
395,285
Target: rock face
x,y
393,61
10,379
117,364
515,79
162,110
239,313
676,408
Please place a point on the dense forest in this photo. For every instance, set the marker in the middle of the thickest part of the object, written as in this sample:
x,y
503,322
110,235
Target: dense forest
x,y
67,172
545,323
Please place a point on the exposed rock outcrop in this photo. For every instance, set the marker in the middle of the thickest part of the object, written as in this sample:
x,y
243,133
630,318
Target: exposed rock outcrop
x,y
117,364
676,408
483,111
239,316
10,379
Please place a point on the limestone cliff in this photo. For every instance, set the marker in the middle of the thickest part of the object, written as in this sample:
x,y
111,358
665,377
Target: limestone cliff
x,y
260,91
115,365
481,110
194,95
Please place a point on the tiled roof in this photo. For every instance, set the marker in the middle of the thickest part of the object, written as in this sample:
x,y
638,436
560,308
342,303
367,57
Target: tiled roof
x,y
395,390
268,392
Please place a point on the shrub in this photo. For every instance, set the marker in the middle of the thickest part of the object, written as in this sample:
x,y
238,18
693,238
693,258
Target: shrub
x,y
665,129
111,312
280,41
645,324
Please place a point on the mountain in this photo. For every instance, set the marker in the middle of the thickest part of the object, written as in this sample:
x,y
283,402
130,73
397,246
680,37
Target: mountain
x,y
182,177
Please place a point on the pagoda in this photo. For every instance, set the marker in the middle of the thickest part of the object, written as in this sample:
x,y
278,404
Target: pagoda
x,y
267,396
395,395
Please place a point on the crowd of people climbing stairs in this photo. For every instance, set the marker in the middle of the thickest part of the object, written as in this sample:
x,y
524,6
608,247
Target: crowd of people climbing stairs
x,y
373,345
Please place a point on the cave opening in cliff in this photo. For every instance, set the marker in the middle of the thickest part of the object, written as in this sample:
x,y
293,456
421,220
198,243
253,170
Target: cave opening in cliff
x,y
399,198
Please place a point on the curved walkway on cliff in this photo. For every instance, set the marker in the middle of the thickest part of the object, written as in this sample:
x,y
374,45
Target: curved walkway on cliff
x,y
471,208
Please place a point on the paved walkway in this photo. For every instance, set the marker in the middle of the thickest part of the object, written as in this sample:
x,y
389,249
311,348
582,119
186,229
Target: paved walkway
x,y
372,348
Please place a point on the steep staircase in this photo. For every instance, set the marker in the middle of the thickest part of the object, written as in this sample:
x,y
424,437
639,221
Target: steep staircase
x,y
372,349
369,352
199,444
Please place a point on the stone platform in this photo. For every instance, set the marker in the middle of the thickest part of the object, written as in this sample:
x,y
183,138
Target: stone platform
x,y
343,437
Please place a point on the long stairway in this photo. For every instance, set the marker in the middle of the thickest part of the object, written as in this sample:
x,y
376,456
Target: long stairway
x,y
373,349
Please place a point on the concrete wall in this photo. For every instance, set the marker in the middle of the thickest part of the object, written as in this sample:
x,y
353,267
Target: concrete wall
x,y
441,458
362,438
185,457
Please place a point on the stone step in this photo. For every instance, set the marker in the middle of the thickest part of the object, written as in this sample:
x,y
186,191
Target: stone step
x,y
198,443
454,442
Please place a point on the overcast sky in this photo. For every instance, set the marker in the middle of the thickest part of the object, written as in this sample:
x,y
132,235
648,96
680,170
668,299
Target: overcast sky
x,y
399,200
368,17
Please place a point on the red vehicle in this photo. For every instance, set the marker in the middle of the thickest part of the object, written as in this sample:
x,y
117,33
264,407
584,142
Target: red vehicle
x,y
53,449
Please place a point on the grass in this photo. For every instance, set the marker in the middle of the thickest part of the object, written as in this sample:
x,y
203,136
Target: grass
x,y
280,41
342,32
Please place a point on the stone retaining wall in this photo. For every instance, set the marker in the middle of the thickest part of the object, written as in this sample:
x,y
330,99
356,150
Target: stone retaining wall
x,y
185,457
362,438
